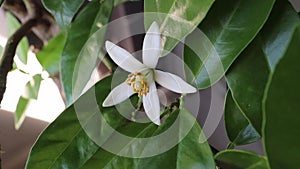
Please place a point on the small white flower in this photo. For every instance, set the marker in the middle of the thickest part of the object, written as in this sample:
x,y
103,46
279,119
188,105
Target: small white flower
x,y
144,75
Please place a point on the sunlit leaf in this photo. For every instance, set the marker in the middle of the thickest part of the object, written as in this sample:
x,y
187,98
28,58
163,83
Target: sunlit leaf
x,y
49,56
177,18
240,159
230,28
238,128
32,87
20,111
281,109
12,25
63,10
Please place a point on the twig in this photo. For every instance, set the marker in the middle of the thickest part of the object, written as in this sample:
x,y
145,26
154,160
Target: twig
x,y
10,51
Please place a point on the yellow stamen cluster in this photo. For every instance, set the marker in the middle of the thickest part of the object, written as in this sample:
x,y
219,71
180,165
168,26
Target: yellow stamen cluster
x,y
138,83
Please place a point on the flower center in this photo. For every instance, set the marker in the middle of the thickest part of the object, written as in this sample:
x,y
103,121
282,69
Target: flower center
x,y
138,83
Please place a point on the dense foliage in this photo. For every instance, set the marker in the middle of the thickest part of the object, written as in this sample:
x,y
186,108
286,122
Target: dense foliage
x,y
255,45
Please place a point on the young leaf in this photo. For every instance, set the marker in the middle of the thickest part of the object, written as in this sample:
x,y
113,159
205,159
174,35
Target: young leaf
x,y
94,13
238,128
22,49
49,56
281,109
240,159
63,10
177,18
230,28
32,87
19,114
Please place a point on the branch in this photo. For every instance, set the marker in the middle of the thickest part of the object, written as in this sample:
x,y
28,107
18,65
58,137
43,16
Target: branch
x,y
10,51
26,9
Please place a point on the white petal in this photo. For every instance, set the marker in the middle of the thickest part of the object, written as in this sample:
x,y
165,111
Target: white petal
x,y
173,82
117,95
122,58
151,46
151,104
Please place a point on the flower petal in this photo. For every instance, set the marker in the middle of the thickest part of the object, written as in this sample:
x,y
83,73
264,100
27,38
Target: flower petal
x,y
173,82
151,46
151,104
122,58
118,94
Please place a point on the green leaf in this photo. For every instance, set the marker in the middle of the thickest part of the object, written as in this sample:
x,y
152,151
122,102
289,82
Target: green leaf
x,y
177,18
49,56
23,46
19,114
65,141
247,92
32,87
278,31
230,28
63,10
240,159
1,1
281,109
68,145
188,153
93,14
238,128
31,91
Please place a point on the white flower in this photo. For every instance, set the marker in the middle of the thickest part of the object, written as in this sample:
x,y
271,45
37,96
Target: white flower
x,y
144,75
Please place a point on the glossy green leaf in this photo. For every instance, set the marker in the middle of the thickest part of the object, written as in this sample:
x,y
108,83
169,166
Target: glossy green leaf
x,y
63,10
238,128
19,114
23,46
240,159
32,87
278,31
66,143
177,18
281,109
93,14
49,56
230,28
247,79
189,153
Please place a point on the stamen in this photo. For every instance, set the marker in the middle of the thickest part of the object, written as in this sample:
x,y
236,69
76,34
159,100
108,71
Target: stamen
x,y
138,83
